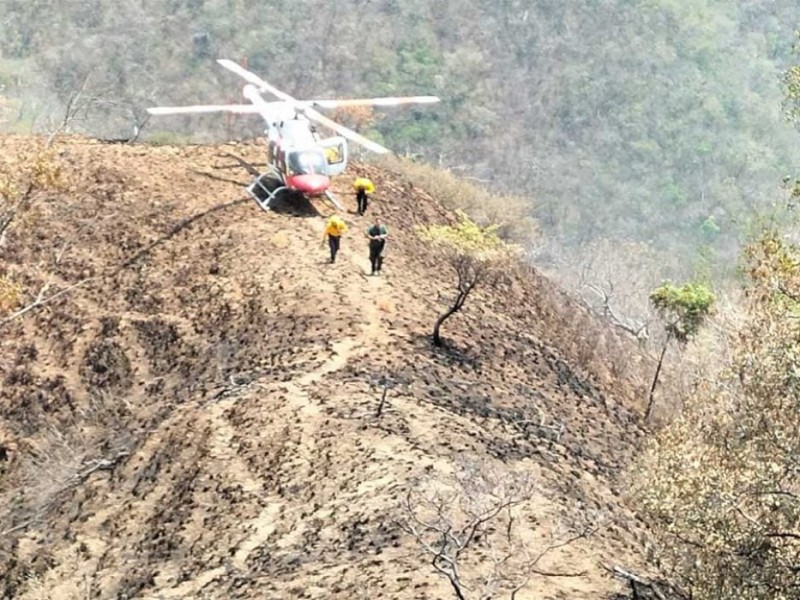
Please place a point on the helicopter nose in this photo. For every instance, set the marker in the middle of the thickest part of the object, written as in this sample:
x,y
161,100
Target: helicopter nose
x,y
311,185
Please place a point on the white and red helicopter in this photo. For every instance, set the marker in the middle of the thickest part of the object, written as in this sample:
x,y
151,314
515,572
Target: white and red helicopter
x,y
296,156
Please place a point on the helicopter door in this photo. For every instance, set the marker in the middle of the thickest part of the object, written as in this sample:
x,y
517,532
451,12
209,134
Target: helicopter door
x,y
335,149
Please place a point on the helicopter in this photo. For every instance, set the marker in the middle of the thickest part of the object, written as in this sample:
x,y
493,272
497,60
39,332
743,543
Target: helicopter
x,y
297,156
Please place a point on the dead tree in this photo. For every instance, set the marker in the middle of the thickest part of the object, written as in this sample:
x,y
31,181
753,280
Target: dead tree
x,y
469,527
78,103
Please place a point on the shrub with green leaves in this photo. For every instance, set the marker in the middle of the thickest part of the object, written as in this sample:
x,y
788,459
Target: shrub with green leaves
x,y
683,308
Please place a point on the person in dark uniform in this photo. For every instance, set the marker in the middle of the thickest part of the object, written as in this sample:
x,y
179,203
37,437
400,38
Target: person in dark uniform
x,y
377,235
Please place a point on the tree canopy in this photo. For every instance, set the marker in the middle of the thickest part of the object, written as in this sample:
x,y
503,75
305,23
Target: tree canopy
x,y
683,308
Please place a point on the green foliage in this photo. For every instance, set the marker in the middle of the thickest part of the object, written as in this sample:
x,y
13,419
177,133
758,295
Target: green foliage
x,y
710,228
466,238
721,483
684,308
513,214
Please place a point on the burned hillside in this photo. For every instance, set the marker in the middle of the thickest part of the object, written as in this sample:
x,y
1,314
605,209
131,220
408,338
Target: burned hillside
x,y
202,407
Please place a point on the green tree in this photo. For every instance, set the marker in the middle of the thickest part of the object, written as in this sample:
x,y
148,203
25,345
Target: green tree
x,y
476,255
722,483
684,310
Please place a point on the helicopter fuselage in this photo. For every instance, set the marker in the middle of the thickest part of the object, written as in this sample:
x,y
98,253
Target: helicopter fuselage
x,y
304,162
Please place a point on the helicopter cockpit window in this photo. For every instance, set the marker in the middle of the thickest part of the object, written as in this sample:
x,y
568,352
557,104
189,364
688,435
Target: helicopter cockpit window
x,y
307,162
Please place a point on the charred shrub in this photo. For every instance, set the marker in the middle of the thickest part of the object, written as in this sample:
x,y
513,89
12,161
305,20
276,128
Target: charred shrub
x,y
106,366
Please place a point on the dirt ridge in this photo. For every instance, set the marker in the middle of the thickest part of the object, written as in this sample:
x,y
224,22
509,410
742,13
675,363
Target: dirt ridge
x,y
241,375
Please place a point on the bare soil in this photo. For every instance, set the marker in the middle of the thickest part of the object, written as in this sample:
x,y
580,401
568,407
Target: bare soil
x,y
197,418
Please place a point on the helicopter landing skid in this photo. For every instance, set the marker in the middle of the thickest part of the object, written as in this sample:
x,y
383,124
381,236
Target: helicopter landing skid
x,y
261,193
334,201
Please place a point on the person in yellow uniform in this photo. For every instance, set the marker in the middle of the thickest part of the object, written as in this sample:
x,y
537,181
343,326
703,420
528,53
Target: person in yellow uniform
x,y
363,187
334,230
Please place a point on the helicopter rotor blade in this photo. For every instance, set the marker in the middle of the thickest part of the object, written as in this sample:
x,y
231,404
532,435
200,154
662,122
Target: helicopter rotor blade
x,y
305,108
255,80
345,132
210,108
391,101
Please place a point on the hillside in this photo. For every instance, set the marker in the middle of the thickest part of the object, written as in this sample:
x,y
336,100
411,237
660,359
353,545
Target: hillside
x,y
198,418
655,121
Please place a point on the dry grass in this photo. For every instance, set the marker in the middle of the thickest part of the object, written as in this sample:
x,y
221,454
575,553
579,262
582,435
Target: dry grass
x,y
10,293
587,339
62,456
302,438
512,213
616,359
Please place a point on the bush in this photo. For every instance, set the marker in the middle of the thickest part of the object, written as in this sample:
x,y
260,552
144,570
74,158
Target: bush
x,y
476,255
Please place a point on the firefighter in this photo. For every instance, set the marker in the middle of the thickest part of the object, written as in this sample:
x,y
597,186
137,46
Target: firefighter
x,y
363,187
334,230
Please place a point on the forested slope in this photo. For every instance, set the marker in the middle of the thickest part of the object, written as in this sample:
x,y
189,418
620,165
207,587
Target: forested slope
x,y
652,120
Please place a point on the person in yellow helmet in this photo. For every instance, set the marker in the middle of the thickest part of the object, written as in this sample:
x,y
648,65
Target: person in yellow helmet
x,y
334,230
363,186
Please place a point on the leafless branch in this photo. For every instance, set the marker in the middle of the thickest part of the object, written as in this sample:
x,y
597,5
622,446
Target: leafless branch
x,y
635,580
42,298
9,216
75,104
383,400
76,479
637,329
447,517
